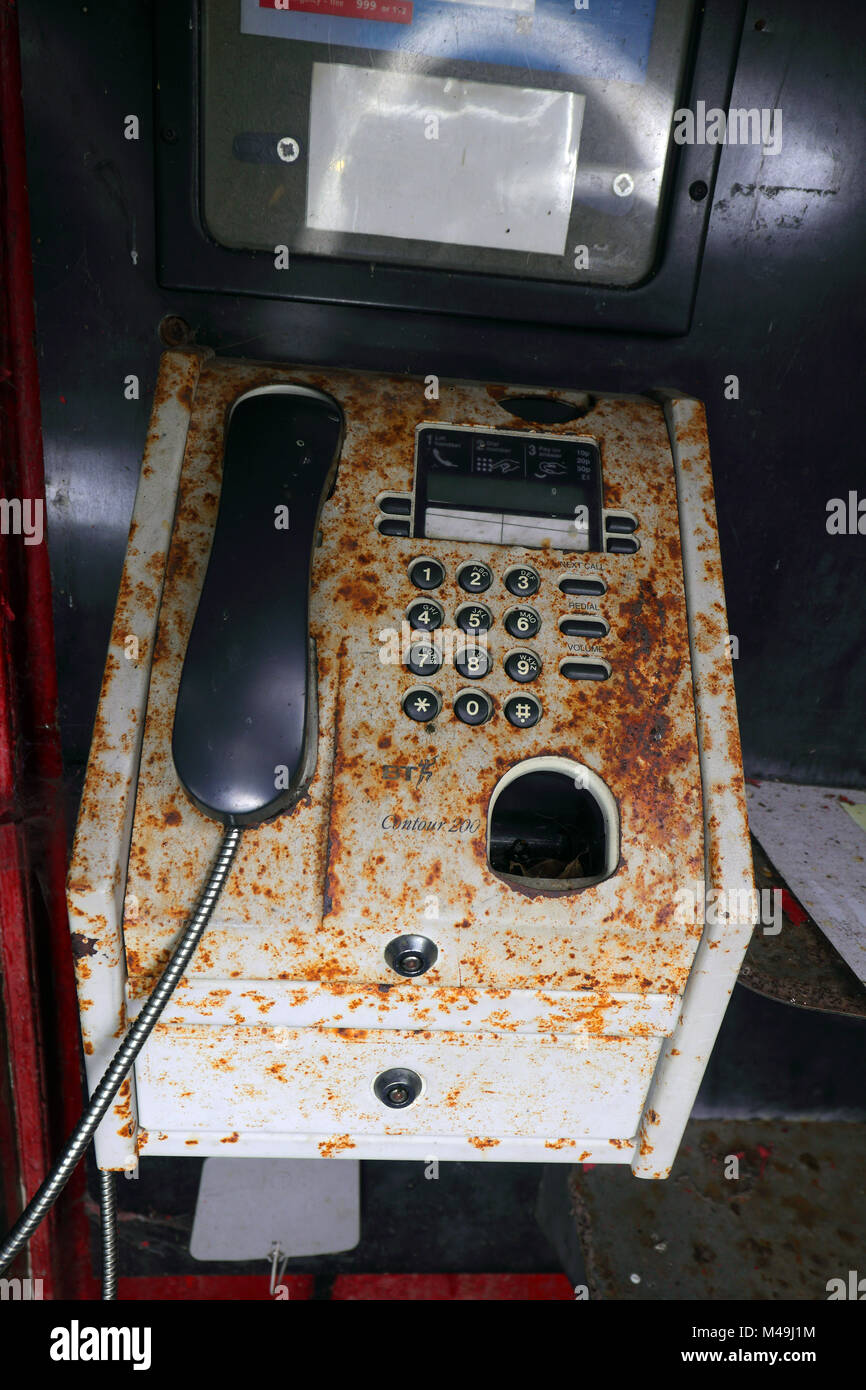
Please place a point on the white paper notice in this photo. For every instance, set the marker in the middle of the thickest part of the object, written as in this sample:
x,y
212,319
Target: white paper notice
x,y
439,159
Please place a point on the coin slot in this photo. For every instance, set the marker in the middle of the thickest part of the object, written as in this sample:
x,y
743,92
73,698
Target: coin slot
x,y
552,827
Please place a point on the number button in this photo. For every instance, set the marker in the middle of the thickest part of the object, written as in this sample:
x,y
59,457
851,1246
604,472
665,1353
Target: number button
x,y
522,622
474,617
473,663
421,704
424,615
473,707
522,711
426,574
522,581
522,666
474,579
423,660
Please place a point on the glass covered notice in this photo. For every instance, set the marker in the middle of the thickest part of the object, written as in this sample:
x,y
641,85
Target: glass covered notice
x,y
525,138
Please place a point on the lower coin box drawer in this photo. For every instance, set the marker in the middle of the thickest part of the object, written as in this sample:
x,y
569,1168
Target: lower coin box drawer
x,y
281,1080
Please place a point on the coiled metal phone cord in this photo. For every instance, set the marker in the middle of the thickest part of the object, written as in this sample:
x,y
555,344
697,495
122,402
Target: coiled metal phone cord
x,y
108,1213
119,1067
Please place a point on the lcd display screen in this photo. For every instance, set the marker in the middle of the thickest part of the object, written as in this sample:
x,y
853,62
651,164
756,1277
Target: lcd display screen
x,y
507,489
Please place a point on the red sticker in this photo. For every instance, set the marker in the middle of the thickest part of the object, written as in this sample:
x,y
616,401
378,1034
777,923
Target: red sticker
x,y
390,11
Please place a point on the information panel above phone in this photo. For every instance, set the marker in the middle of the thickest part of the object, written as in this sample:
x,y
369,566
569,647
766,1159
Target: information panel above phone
x,y
521,137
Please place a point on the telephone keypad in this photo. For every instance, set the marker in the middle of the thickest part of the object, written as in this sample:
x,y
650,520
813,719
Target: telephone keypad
x,y
426,574
474,579
424,615
522,666
522,581
522,622
473,617
421,704
523,711
473,707
423,659
473,664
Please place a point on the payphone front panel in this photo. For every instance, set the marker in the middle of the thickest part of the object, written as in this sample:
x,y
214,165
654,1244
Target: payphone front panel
x,y
517,687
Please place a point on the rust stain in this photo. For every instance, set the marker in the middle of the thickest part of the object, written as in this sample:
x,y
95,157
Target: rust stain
x,y
339,1144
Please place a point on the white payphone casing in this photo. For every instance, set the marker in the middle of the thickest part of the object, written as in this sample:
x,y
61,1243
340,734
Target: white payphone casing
x,y
553,1026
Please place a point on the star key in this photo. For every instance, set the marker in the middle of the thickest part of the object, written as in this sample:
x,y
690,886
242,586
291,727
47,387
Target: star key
x,y
421,704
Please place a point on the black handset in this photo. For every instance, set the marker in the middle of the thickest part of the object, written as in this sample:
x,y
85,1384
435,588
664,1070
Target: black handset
x,y
245,721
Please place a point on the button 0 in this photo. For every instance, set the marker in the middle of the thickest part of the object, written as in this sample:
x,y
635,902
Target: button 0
x,y
473,617
421,704
426,574
522,581
473,663
522,711
474,579
424,615
522,622
423,659
522,666
473,707
572,584
622,545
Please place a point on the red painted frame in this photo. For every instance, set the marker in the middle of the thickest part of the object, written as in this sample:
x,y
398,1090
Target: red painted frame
x,y
39,1023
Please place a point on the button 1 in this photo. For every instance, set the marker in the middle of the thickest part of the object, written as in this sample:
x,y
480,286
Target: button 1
x,y
421,703
474,579
522,666
426,574
585,670
522,711
572,585
473,663
473,707
473,617
522,581
619,524
622,545
424,615
522,622
583,627
423,659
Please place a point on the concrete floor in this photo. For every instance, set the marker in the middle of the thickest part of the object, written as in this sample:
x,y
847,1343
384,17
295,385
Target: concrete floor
x,y
793,1219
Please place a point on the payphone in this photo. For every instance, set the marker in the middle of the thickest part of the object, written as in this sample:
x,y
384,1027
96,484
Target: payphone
x,y
481,768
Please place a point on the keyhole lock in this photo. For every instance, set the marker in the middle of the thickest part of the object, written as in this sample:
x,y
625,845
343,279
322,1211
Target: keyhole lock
x,y
411,955
397,1087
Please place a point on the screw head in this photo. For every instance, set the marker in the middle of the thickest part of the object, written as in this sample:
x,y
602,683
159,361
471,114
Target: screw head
x,y
411,955
397,1087
288,149
623,185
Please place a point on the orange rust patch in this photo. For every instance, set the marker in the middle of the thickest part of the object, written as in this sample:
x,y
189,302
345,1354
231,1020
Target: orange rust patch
x,y
339,1144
